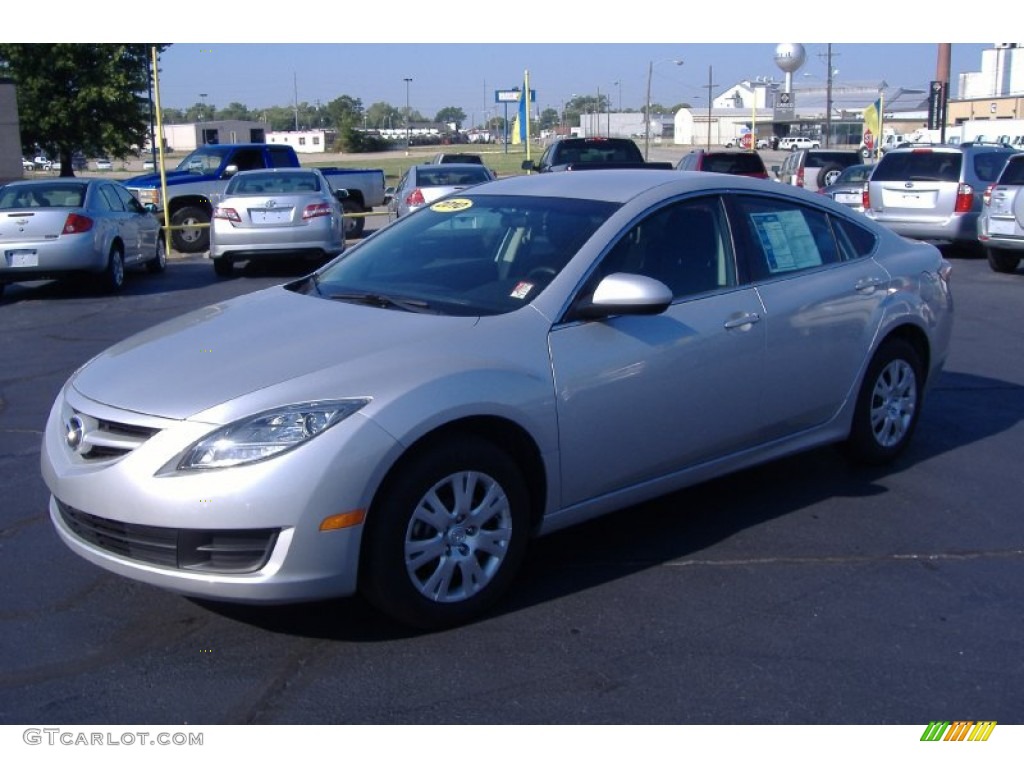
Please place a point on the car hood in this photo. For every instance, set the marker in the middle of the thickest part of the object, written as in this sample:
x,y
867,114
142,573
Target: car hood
x,y
225,351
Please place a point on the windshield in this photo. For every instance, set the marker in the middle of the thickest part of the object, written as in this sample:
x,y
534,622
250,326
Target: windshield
x,y
203,160
467,255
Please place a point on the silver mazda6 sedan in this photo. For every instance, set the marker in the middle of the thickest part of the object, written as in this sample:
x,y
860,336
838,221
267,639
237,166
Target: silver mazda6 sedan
x,y
507,362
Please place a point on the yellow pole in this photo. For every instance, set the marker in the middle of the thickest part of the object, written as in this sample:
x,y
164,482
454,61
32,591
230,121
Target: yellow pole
x,y
526,95
159,138
753,118
881,124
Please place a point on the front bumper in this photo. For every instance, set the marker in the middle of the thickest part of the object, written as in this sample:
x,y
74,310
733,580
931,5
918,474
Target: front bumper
x,y
245,534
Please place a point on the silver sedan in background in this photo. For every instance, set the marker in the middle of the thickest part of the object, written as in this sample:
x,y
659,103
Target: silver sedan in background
x,y
56,228
276,213
509,361
423,184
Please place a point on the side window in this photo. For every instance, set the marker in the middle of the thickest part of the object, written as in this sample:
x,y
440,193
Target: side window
x,y
248,159
128,199
108,195
782,237
280,157
855,241
683,245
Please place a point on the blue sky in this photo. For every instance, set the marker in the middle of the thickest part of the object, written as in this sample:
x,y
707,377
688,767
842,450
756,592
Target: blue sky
x,y
467,74
459,54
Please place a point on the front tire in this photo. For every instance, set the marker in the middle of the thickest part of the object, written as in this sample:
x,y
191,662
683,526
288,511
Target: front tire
x,y
447,533
888,404
195,239
1002,261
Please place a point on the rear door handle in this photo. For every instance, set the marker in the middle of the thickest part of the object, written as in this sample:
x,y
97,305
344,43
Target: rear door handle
x,y
869,284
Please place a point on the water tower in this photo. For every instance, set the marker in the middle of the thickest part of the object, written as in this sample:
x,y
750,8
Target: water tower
x,y
789,57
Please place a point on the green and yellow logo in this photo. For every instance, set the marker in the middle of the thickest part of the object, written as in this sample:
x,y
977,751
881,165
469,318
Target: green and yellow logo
x,y
958,730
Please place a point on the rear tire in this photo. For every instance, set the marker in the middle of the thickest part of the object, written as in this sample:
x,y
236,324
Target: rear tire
x,y
354,225
446,534
194,240
112,278
159,262
1002,261
888,404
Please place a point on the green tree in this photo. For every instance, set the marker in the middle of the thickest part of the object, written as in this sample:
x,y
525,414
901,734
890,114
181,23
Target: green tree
x,y
343,112
451,115
549,118
234,111
92,98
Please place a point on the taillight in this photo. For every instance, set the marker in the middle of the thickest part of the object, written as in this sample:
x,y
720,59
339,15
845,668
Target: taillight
x,y
415,197
964,199
865,197
986,196
316,209
229,214
76,224
800,177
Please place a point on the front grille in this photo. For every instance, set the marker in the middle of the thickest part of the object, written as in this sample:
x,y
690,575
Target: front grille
x,y
103,439
230,551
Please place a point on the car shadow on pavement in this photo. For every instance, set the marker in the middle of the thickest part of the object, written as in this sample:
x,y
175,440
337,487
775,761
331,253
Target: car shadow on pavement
x,y
960,410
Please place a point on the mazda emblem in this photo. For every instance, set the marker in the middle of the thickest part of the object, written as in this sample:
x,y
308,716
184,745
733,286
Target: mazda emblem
x,y
75,432
909,185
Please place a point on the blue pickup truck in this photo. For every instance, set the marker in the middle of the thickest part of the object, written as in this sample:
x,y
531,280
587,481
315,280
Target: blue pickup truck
x,y
206,171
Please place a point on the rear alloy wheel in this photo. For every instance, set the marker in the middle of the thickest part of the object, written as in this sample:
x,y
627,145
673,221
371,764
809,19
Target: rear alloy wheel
x,y
159,262
112,278
192,239
446,535
354,225
888,404
1002,261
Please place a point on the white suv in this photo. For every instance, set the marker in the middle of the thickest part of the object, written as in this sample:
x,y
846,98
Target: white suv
x,y
793,143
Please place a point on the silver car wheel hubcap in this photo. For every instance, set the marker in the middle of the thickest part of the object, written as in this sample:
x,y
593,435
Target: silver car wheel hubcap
x,y
458,537
893,402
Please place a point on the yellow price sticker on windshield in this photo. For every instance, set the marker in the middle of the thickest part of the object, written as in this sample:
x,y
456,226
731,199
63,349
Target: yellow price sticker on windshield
x,y
451,206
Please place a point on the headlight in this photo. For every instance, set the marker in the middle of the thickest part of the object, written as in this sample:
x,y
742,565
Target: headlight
x,y
267,434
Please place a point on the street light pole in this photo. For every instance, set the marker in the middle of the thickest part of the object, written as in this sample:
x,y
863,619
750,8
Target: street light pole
x,y
647,109
711,86
408,135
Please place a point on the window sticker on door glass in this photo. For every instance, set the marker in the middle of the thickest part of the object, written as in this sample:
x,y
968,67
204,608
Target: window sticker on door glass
x,y
787,241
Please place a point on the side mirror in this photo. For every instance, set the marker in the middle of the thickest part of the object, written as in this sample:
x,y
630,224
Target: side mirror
x,y
622,293
776,169
230,171
530,165
389,195
151,208
341,195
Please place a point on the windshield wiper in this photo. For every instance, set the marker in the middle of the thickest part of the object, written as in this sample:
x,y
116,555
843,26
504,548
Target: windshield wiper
x,y
383,301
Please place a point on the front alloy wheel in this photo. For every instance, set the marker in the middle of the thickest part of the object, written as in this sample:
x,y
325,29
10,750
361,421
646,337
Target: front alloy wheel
x,y
447,534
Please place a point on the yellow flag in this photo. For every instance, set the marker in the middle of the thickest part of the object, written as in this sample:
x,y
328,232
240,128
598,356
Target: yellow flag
x,y
873,123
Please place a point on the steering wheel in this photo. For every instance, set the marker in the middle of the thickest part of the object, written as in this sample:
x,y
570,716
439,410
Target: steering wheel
x,y
539,274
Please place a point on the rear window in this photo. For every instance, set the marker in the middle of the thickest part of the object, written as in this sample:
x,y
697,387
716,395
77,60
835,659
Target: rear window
x,y
734,163
277,183
1013,173
919,166
819,159
451,178
56,195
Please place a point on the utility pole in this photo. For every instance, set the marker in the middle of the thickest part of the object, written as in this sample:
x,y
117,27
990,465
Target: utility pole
x,y
828,99
711,87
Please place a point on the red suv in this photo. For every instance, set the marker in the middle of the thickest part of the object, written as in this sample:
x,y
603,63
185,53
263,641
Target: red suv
x,y
715,161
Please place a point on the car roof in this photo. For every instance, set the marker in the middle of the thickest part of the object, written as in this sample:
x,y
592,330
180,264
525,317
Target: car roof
x,y
623,184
